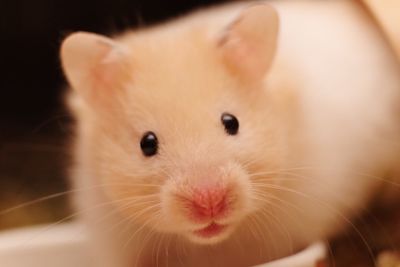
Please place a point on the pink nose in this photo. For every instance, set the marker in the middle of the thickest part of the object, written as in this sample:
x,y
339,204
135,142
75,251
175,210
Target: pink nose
x,y
209,202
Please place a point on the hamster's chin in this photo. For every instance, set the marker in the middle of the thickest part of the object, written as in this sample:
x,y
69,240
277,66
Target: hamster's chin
x,y
211,234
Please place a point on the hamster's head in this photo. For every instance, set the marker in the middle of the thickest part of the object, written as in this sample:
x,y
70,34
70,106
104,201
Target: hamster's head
x,y
176,122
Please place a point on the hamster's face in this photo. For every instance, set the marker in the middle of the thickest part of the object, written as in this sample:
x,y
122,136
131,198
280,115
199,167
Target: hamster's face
x,y
182,139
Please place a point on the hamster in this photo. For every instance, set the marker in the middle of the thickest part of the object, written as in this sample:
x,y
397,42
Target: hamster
x,y
386,14
231,136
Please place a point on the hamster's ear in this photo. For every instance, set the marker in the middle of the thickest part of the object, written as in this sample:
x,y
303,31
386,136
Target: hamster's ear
x,y
249,43
93,64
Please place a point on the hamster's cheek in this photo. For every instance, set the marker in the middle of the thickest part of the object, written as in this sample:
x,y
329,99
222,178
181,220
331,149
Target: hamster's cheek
x,y
172,209
140,206
263,163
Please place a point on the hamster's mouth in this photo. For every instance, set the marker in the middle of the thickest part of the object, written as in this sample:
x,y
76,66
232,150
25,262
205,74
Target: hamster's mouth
x,y
212,233
212,230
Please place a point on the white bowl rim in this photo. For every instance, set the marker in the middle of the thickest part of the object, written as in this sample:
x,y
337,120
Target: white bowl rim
x,y
42,238
305,258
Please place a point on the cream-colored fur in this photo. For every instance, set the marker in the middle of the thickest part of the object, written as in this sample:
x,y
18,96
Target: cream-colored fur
x,y
387,15
317,133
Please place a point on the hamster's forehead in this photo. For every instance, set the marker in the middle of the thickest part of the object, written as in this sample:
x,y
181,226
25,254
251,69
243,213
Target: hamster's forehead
x,y
180,63
179,78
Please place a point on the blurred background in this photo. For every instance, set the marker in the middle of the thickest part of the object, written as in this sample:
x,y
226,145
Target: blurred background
x,y
34,125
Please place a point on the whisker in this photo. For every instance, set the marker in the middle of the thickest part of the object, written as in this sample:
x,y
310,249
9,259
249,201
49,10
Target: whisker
x,y
64,193
287,172
253,220
364,210
127,206
290,215
146,239
341,215
141,227
278,223
67,218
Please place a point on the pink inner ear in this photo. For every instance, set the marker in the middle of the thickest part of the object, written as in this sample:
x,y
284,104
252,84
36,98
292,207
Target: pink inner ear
x,y
244,57
103,73
104,65
249,44
107,75
107,83
95,66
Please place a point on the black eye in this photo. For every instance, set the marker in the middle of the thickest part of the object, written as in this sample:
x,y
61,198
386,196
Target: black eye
x,y
230,123
149,144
